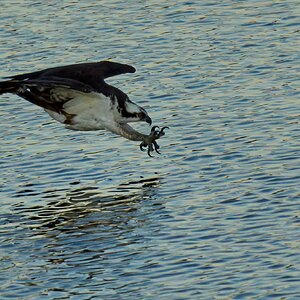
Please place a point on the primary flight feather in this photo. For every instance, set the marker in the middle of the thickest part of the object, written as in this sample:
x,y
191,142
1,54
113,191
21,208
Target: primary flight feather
x,y
77,96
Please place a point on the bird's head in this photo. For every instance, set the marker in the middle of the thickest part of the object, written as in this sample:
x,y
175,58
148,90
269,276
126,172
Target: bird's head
x,y
131,112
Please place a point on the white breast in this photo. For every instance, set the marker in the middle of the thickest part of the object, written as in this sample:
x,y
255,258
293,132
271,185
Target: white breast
x,y
91,111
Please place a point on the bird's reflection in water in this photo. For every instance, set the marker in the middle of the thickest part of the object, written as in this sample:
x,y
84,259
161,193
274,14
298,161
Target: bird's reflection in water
x,y
86,207
89,234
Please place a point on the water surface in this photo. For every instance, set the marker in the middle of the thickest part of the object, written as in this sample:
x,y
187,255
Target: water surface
x,y
216,216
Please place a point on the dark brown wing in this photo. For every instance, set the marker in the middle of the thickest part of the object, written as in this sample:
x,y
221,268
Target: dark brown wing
x,y
92,74
40,87
55,82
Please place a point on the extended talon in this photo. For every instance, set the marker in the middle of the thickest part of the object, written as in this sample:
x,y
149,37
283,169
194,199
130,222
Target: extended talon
x,y
162,133
150,141
150,149
153,128
149,153
156,147
142,146
158,134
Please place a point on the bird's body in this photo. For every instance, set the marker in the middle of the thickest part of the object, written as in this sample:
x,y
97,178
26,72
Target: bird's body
x,y
77,96
86,111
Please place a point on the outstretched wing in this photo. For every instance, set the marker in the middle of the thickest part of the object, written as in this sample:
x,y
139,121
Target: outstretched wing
x,y
43,88
92,74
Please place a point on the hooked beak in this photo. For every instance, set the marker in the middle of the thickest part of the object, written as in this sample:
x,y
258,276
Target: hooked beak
x,y
148,120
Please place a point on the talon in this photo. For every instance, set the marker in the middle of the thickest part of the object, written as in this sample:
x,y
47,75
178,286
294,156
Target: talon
x,y
153,128
149,153
156,147
150,140
162,131
142,145
150,149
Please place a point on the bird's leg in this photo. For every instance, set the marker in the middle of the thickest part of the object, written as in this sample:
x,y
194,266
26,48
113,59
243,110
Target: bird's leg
x,y
147,140
150,140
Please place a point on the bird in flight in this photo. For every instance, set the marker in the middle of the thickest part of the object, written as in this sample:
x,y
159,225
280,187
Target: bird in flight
x,y
78,97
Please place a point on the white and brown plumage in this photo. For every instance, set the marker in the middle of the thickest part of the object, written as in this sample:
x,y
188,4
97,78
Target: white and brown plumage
x,y
77,96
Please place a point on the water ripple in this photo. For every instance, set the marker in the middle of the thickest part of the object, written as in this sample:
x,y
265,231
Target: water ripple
x,y
216,216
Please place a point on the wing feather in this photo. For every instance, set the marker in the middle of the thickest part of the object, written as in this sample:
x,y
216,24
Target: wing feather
x,y
92,74
41,87
54,82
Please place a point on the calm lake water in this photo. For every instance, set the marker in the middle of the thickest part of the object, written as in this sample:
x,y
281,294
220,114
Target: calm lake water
x,y
217,215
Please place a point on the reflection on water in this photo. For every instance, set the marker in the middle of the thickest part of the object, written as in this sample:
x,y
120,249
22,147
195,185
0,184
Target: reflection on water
x,y
86,207
216,216
88,233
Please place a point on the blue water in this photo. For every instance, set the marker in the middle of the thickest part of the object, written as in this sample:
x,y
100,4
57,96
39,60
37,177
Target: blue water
x,y
216,216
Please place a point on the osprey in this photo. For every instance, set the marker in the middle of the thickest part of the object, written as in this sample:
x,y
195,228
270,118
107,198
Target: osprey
x,y
77,96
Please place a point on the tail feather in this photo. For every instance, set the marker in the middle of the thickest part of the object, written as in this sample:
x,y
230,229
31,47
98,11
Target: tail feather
x,y
9,86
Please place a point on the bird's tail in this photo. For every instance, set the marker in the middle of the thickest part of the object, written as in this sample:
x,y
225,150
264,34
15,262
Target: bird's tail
x,y
9,86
